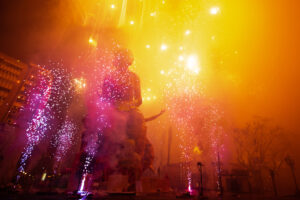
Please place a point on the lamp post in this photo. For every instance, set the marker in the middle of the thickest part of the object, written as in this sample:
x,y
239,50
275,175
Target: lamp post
x,y
200,165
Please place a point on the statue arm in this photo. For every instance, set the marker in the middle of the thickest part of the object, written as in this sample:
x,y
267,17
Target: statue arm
x,y
155,116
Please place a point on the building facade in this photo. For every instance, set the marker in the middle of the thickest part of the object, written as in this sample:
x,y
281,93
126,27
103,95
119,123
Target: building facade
x,y
15,78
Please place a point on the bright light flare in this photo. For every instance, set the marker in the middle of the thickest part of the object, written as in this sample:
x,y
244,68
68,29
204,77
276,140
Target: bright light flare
x,y
131,22
148,46
187,32
113,6
163,47
79,83
180,58
189,188
192,64
82,183
214,10
44,176
92,42
153,14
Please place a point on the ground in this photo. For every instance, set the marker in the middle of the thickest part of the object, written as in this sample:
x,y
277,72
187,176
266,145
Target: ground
x,y
7,196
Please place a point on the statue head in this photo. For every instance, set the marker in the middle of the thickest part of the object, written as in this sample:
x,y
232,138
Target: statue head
x,y
123,58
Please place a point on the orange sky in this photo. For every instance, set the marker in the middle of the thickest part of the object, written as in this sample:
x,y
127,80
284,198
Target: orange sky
x,y
251,67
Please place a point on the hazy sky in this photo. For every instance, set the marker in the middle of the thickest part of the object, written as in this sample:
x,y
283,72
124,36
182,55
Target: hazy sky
x,y
261,38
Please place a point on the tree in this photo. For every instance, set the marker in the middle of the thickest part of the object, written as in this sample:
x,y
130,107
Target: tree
x,y
291,163
260,146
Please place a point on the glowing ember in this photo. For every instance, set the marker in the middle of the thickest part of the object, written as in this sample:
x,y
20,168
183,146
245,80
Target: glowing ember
x,y
214,10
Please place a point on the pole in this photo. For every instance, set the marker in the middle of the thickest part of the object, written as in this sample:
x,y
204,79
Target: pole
x,y
169,144
220,176
199,164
